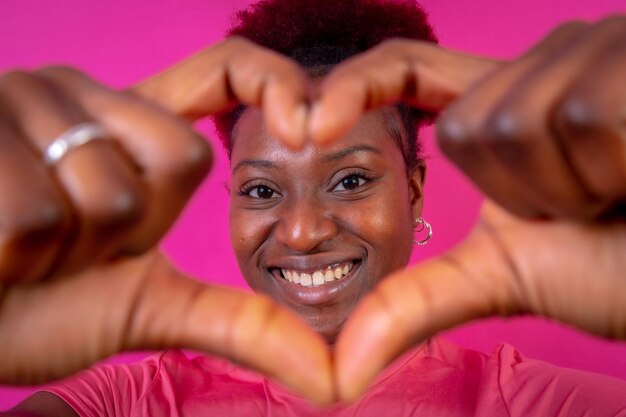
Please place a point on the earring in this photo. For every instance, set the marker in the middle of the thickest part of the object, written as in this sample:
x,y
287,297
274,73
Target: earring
x,y
420,225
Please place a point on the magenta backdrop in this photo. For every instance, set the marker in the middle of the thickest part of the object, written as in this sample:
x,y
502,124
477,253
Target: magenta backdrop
x,y
121,42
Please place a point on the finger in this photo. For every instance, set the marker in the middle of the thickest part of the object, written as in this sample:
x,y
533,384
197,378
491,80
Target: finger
x,y
169,156
590,119
99,184
249,329
33,214
411,305
507,266
468,132
523,135
235,70
417,73
156,307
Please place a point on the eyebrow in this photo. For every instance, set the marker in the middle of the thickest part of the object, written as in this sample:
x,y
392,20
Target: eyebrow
x,y
344,153
258,163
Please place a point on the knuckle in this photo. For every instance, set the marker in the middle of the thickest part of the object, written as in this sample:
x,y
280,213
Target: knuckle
x,y
121,208
577,117
568,29
41,223
504,126
18,85
572,26
236,41
18,79
613,21
237,45
454,135
395,44
191,158
507,134
58,70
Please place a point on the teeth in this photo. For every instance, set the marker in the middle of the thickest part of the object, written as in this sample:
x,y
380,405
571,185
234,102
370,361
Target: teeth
x,y
306,280
329,276
319,277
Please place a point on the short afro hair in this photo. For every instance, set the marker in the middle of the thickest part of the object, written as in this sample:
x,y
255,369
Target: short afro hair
x,y
317,33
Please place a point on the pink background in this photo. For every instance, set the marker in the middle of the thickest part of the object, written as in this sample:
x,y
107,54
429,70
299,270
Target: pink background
x,y
122,42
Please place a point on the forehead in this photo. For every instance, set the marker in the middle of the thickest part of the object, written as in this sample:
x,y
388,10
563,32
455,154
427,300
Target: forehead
x,y
251,139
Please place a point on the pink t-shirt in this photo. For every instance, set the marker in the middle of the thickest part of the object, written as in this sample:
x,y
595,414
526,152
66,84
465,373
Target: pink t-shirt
x,y
437,379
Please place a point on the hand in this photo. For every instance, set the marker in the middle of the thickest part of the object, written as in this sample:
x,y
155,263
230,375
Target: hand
x,y
416,73
236,70
572,272
544,137
74,285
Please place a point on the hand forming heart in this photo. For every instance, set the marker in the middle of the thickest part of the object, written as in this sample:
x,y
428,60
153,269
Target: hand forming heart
x,y
521,130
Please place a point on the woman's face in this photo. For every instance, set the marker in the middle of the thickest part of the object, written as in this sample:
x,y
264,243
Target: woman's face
x,y
316,229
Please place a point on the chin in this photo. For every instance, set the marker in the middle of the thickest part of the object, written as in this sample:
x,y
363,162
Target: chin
x,y
328,329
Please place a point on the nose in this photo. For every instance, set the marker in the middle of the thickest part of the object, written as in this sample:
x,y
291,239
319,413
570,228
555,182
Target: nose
x,y
304,225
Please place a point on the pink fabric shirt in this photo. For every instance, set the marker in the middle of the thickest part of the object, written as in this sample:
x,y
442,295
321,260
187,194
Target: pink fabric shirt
x,y
437,379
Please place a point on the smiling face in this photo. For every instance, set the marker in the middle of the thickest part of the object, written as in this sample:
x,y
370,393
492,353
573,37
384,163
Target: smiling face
x,y
316,229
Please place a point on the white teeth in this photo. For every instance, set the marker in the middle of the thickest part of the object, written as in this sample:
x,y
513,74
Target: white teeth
x,y
306,280
319,277
329,276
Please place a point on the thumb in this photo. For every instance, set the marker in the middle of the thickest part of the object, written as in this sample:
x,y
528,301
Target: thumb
x,y
571,272
250,329
145,303
472,281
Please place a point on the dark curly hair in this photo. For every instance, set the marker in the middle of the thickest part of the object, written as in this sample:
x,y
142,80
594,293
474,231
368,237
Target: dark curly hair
x,y
321,33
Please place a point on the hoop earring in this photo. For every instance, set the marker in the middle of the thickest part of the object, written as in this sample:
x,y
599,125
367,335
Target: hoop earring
x,y
420,225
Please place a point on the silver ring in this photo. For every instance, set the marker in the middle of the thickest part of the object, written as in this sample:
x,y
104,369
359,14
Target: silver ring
x,y
73,138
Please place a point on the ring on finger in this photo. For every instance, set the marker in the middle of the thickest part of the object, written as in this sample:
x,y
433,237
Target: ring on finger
x,y
71,139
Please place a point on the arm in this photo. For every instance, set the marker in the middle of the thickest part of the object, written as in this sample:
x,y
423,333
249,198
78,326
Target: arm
x,y
80,235
543,136
41,404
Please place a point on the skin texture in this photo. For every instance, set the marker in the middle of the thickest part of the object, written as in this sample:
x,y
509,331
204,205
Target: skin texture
x,y
236,70
290,209
562,258
80,236
544,137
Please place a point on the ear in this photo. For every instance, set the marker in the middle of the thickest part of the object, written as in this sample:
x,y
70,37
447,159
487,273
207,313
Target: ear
x,y
416,188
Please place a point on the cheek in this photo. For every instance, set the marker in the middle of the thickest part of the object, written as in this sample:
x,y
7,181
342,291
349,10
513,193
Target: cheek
x,y
239,234
386,225
248,230
394,240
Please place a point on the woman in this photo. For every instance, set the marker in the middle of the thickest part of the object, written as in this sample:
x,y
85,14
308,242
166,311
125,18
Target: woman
x,y
316,228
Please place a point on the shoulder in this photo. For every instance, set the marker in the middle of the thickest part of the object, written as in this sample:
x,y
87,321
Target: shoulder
x,y
114,389
529,387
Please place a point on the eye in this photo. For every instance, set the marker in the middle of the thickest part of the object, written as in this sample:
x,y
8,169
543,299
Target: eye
x,y
259,191
350,182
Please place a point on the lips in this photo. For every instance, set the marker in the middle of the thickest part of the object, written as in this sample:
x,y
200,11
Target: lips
x,y
315,286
